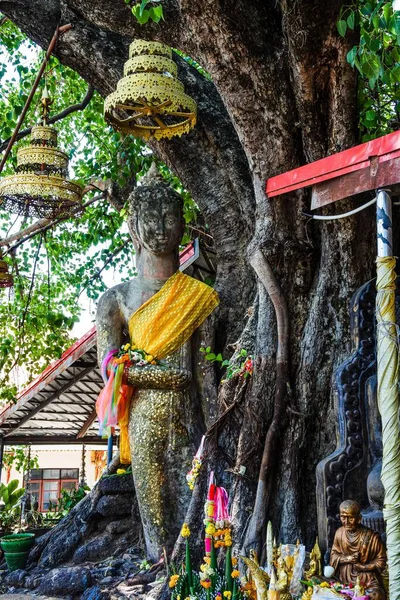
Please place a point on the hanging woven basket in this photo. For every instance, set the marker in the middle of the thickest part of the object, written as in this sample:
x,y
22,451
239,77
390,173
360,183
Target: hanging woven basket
x,y
6,279
40,187
150,101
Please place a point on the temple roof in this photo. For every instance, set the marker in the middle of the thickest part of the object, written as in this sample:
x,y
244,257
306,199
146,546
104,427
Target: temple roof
x,y
58,407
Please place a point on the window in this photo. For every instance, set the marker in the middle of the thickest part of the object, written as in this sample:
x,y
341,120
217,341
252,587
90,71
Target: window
x,y
45,486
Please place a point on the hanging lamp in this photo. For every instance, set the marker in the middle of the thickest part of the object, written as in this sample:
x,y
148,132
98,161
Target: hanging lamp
x,y
6,279
150,101
40,187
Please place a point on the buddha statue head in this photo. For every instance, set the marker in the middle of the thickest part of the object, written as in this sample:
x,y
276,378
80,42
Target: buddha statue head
x,y
155,218
350,515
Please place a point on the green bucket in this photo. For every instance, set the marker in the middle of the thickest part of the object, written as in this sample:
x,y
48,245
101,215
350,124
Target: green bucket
x,y
17,542
16,560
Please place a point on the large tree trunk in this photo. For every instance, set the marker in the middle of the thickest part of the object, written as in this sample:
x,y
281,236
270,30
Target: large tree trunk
x,y
282,95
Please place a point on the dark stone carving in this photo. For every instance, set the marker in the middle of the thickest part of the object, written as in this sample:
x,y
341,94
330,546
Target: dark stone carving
x,y
353,469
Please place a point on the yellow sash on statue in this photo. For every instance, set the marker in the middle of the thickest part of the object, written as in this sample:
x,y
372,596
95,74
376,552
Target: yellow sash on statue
x,y
166,321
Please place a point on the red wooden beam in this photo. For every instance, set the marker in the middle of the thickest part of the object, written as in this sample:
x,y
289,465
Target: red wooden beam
x,y
364,156
379,174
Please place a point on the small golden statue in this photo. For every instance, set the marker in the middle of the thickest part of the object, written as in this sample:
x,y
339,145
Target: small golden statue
x,y
283,583
308,593
314,569
359,591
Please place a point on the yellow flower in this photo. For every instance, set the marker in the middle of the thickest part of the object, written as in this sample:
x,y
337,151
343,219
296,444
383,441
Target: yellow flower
x,y
126,347
185,531
206,584
210,529
207,560
210,509
234,561
324,584
235,573
228,595
228,541
149,357
173,581
121,471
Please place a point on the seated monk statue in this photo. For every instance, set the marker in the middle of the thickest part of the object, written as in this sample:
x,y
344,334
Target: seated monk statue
x,y
155,314
358,552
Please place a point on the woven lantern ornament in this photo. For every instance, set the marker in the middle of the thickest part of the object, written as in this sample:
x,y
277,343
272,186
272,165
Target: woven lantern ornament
x,y
150,101
6,279
40,187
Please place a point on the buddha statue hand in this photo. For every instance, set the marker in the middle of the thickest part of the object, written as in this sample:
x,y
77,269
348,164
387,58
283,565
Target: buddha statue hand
x,y
158,377
363,568
350,559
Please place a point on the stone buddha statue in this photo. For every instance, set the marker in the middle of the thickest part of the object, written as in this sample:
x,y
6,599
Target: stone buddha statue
x,y
164,427
358,553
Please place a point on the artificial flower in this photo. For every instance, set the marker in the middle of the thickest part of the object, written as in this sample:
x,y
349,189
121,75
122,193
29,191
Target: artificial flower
x,y
173,581
210,529
235,573
185,531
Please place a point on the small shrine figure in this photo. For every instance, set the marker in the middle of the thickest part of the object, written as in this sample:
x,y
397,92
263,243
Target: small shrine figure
x,y
359,591
314,569
358,552
283,582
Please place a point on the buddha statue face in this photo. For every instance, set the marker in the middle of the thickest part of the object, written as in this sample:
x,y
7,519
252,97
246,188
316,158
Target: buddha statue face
x,y
160,229
155,221
350,515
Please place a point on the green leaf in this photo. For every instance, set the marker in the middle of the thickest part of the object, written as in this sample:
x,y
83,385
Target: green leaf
x,y
142,6
370,65
370,115
342,27
156,13
141,16
351,55
395,74
351,20
243,352
210,356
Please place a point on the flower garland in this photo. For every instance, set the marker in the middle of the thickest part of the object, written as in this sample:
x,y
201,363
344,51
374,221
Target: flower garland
x,y
133,356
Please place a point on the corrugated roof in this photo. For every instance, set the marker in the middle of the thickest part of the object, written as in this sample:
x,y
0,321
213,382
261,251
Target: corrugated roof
x,y
58,407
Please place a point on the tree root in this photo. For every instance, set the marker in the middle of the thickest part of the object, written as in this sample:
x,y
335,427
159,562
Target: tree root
x,y
257,524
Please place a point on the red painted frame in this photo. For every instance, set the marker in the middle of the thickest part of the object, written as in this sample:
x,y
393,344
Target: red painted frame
x,y
384,148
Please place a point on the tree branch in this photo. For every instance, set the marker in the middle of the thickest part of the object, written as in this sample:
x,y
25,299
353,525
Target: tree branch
x,y
43,225
61,115
37,226
107,262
